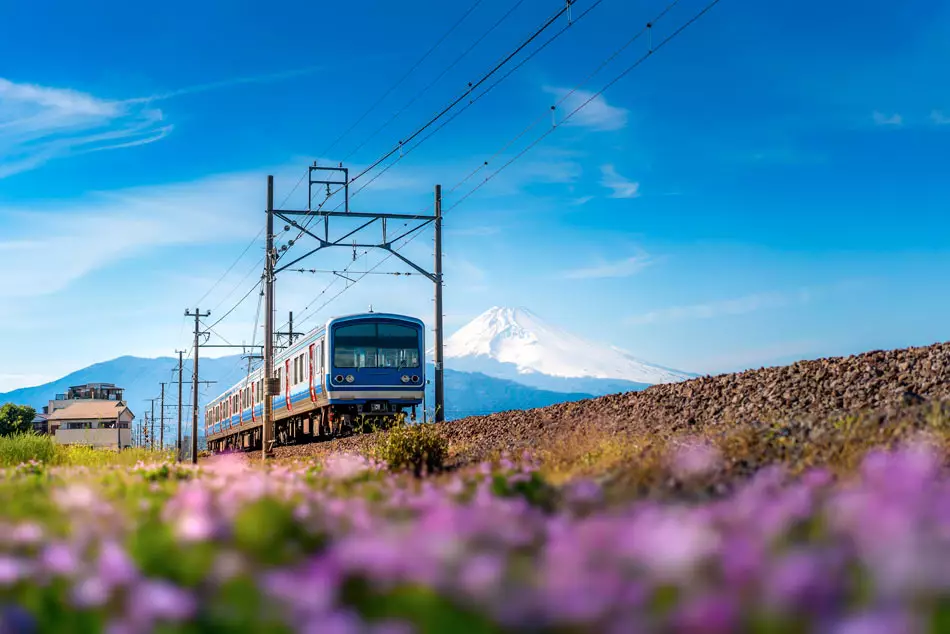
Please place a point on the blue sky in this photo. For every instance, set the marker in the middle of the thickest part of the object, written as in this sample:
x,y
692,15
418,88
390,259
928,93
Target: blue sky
x,y
770,185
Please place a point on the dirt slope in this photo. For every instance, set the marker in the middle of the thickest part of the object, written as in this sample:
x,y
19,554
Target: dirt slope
x,y
806,392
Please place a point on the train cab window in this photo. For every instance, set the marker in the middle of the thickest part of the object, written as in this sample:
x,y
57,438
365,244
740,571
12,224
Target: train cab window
x,y
398,346
378,345
355,346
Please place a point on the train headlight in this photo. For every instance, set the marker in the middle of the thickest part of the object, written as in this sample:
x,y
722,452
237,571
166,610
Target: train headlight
x,y
349,378
338,378
404,378
415,379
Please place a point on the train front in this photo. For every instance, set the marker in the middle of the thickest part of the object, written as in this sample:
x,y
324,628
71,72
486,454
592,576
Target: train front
x,y
375,367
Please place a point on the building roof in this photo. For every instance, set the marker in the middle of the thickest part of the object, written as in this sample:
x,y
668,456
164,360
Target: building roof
x,y
85,410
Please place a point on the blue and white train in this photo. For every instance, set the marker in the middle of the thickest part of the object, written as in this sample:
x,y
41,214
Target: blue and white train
x,y
353,372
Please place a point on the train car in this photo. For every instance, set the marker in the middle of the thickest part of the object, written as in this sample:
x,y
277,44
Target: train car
x,y
355,373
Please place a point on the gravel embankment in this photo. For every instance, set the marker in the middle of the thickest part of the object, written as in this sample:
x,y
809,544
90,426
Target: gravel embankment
x,y
806,392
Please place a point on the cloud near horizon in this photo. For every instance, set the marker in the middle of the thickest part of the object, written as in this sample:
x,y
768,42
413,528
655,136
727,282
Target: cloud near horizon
x,y
618,268
710,310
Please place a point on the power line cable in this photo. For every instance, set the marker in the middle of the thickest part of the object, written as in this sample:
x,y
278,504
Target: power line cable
x,y
399,82
590,99
580,107
438,78
444,111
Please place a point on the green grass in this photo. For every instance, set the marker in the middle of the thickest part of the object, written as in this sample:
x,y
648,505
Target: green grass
x,y
21,448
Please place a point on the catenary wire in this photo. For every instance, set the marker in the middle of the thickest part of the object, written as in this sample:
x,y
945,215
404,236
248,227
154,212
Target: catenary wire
x,y
580,107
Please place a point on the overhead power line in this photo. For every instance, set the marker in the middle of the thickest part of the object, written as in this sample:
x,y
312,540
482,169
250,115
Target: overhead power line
x,y
399,82
436,80
592,97
584,104
469,90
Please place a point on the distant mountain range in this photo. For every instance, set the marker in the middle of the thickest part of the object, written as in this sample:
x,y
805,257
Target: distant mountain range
x,y
466,393
504,359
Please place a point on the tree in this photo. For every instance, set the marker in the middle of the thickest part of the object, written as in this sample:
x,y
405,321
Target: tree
x,y
16,419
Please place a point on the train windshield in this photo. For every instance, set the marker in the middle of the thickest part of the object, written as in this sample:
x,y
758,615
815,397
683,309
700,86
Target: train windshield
x,y
376,345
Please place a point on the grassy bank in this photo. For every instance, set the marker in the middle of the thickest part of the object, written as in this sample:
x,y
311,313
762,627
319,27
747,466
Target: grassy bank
x,y
24,448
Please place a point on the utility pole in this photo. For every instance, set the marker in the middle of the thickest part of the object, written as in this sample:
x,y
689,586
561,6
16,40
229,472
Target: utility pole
x,y
178,441
267,425
290,334
194,407
437,353
151,435
161,427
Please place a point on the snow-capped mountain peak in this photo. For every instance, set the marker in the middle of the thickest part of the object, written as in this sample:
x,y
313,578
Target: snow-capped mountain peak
x,y
517,337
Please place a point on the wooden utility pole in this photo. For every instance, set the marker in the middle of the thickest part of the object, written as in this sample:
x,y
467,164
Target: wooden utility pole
x,y
161,427
194,405
178,441
437,354
151,434
267,425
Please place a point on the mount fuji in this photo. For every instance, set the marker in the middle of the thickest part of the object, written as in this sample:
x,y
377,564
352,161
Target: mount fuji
x,y
517,345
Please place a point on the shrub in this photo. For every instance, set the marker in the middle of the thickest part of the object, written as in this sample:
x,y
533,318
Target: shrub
x,y
15,419
417,446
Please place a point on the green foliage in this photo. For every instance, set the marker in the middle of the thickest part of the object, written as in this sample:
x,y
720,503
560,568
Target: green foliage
x,y
532,487
429,612
413,446
16,419
24,447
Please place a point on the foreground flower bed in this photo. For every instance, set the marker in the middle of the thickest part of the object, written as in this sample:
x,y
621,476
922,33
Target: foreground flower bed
x,y
344,546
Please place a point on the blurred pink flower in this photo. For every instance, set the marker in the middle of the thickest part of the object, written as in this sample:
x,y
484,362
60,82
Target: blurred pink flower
x,y
11,570
90,592
694,458
59,559
341,466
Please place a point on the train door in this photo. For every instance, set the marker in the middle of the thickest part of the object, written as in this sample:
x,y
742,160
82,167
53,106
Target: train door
x,y
287,384
313,389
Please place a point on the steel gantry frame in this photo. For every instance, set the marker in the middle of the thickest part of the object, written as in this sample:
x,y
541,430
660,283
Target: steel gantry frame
x,y
386,244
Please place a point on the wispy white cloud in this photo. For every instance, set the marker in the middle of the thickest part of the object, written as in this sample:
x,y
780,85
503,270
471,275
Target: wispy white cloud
x,y
882,119
622,187
597,115
39,124
710,310
624,267
50,246
226,83
939,118
743,359
583,200
477,231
